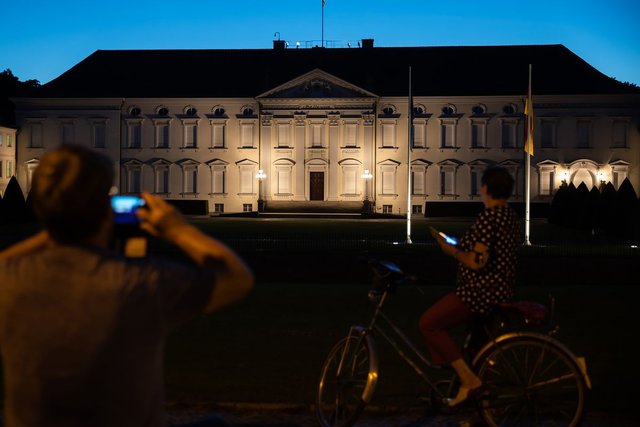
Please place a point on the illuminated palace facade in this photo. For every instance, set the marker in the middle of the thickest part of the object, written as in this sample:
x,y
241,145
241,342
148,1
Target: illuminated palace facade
x,y
329,127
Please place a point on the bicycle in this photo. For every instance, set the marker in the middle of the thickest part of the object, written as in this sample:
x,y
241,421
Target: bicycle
x,y
530,378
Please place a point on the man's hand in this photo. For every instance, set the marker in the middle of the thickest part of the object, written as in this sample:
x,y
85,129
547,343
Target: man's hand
x,y
160,219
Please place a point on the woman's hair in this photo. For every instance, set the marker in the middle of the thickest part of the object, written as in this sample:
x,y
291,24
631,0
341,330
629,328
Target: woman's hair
x,y
70,192
498,181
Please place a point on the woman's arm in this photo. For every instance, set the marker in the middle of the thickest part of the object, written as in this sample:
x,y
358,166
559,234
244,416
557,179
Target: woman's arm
x,y
474,259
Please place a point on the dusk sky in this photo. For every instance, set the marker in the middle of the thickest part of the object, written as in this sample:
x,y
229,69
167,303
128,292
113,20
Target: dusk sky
x,y
41,39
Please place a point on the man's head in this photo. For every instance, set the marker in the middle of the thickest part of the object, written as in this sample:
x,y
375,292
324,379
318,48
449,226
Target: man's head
x,y
498,181
70,192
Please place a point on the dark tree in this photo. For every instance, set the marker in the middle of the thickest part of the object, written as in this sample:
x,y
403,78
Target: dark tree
x,y
571,208
606,213
558,205
14,207
593,207
11,86
624,206
582,213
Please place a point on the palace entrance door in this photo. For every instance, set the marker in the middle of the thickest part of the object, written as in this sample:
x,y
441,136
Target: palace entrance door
x,y
316,185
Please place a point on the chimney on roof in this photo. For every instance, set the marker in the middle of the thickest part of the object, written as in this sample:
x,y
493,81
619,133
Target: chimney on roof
x,y
279,44
367,43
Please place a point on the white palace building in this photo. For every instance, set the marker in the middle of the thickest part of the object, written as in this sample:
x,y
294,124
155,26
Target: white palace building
x,y
325,127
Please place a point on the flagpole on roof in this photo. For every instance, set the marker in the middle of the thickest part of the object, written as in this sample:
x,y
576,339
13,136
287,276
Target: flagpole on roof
x,y
322,42
528,148
409,146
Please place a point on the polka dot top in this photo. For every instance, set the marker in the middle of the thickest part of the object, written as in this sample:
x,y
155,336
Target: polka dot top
x,y
498,229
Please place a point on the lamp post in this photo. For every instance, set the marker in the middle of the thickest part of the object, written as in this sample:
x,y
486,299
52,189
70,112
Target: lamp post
x,y
366,175
261,202
603,182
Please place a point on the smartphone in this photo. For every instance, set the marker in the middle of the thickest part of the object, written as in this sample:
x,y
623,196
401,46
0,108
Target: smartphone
x,y
450,240
124,208
435,233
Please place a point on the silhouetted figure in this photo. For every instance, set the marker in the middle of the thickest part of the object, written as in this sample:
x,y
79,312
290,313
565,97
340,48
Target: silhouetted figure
x,y
82,329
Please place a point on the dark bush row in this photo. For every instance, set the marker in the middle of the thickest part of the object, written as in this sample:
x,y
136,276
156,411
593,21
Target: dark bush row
x,y
15,209
599,209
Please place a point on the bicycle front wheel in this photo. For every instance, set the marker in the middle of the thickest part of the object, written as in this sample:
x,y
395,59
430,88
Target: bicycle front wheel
x,y
347,381
531,381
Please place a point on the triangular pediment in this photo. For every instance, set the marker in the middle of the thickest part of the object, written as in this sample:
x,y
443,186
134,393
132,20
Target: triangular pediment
x,y
317,84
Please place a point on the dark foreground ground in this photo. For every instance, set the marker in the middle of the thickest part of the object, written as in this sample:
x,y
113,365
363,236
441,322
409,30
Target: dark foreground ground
x,y
258,362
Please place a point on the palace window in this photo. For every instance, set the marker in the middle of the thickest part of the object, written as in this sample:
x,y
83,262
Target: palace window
x,y
548,134
218,207
448,133
388,178
217,136
247,207
416,209
284,180
36,135
419,179
190,134
547,181
619,135
218,176
161,176
387,209
99,134
583,134
247,177
284,136
478,134
508,129
351,135
349,182
388,135
162,180
134,134
246,135
419,135
316,135
67,133
162,134
134,179
189,176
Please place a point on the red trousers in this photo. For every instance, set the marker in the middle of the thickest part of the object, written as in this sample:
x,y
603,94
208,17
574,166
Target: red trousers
x,y
437,321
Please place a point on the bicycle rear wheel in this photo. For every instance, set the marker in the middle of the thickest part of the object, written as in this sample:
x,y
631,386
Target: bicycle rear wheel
x,y
531,381
347,381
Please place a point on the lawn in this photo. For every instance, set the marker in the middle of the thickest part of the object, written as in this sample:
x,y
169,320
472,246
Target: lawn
x,y
270,347
311,288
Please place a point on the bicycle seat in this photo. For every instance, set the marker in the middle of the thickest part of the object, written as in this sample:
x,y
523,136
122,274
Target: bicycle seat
x,y
532,313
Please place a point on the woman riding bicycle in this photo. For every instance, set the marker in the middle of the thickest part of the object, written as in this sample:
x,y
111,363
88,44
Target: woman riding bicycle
x,y
486,257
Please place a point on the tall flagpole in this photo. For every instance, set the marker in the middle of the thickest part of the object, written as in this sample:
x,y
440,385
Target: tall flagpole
x,y
528,149
322,45
409,146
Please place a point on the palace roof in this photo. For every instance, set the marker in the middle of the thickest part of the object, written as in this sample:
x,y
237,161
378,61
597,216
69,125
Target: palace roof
x,y
383,71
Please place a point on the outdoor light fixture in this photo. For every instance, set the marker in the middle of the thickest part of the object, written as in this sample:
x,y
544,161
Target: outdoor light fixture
x,y
366,175
260,176
600,175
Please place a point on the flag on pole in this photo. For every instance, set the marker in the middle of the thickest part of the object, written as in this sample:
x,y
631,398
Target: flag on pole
x,y
528,111
323,1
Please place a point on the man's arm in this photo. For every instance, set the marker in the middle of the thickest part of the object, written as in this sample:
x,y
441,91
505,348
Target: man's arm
x,y
26,246
233,278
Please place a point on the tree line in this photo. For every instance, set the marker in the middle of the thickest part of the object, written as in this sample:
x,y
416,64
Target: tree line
x,y
603,209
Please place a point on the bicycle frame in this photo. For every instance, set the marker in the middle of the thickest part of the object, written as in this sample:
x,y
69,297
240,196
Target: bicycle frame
x,y
381,325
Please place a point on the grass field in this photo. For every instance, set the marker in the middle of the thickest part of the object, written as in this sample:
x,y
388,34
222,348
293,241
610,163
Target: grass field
x,y
270,347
